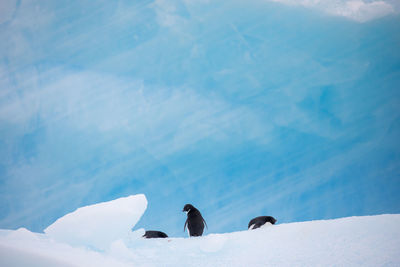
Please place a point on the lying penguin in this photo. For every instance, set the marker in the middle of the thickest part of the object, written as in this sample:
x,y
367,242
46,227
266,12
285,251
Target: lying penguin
x,y
154,234
260,221
194,222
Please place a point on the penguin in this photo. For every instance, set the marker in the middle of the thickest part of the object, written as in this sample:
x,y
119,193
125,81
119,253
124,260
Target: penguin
x,y
154,234
259,221
194,222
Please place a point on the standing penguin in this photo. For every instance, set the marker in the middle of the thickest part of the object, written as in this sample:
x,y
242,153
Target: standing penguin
x,y
260,221
194,222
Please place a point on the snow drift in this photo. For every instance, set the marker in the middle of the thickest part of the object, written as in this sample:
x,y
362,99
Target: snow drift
x,y
99,235
98,225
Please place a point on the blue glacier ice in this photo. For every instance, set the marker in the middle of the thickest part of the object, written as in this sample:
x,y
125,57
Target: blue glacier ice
x,y
242,108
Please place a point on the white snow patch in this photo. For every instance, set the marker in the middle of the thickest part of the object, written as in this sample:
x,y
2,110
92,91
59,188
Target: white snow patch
x,y
18,257
358,10
353,241
97,226
23,248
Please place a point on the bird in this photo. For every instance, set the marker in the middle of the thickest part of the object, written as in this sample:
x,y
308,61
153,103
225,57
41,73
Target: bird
x,y
154,234
259,221
194,222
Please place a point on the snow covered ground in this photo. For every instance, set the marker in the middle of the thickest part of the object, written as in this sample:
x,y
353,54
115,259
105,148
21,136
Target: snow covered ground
x,y
99,235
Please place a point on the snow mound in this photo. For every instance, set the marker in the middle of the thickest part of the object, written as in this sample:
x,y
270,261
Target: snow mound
x,y
97,226
19,257
21,248
100,235
352,241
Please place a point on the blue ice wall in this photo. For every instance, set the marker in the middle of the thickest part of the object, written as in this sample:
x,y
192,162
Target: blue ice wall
x,y
242,108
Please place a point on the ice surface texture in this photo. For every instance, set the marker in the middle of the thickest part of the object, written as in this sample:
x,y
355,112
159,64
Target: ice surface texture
x,y
352,241
243,108
98,225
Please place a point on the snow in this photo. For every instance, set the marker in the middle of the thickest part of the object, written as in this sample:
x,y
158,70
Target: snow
x,y
96,226
18,257
24,248
100,235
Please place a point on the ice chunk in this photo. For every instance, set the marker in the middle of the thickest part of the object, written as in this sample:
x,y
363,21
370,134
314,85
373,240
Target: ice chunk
x,y
97,226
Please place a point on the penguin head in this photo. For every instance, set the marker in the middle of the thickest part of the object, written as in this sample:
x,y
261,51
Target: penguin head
x,y
188,207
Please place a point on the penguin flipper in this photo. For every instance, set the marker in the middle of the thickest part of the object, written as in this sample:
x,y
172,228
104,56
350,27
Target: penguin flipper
x,y
184,227
204,221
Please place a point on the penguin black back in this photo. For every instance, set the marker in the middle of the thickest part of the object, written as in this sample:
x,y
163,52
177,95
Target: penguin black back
x,y
155,234
259,221
194,222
